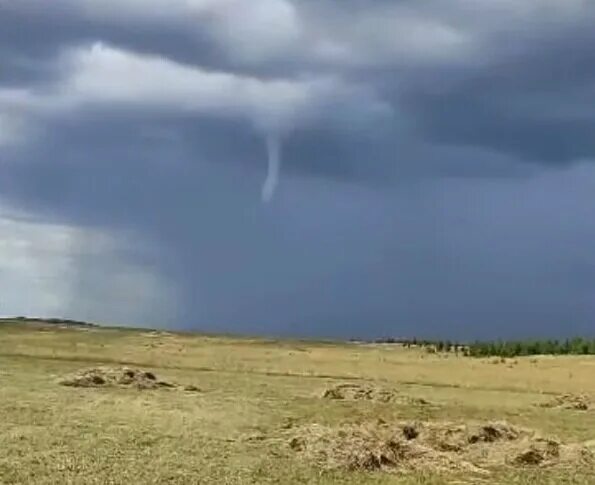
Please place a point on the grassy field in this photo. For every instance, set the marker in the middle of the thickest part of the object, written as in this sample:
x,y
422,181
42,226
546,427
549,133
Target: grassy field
x,y
253,394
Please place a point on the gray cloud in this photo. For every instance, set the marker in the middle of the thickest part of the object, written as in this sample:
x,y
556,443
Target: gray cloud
x,y
437,162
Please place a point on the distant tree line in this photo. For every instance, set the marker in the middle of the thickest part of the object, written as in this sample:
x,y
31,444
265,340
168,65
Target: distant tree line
x,y
575,346
503,348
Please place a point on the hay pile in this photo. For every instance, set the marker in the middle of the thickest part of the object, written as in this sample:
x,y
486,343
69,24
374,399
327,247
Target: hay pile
x,y
437,447
357,392
125,377
569,401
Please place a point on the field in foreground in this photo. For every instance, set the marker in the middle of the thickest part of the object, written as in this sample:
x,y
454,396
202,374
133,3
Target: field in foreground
x,y
257,411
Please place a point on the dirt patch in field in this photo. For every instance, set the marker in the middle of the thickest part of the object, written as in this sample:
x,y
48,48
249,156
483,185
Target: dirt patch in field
x,y
125,377
577,402
437,447
358,392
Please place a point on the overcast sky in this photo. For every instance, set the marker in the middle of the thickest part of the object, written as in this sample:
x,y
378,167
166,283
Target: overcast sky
x,y
437,169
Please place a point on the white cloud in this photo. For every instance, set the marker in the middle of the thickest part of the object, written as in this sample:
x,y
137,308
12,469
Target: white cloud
x,y
266,29
101,76
64,271
34,268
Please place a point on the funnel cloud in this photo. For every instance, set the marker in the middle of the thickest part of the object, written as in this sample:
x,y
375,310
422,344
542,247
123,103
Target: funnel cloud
x,y
273,145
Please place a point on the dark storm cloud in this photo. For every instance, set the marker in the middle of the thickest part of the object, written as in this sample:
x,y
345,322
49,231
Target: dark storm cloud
x,y
485,95
459,208
31,37
537,105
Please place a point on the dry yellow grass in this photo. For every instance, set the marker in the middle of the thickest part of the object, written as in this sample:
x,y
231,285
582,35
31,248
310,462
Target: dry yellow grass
x,y
253,392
